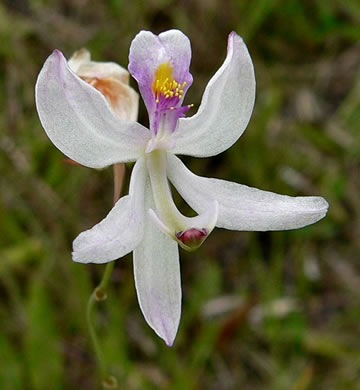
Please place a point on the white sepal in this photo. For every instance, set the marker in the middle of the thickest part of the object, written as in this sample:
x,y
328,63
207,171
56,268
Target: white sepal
x,y
242,207
157,278
79,121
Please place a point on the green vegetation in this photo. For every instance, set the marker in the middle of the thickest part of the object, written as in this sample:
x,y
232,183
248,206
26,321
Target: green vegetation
x,y
275,311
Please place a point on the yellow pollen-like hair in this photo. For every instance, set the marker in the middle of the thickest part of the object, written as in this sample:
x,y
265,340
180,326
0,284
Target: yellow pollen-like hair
x,y
164,83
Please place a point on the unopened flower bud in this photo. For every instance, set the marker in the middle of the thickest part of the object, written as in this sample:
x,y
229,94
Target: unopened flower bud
x,y
192,238
111,79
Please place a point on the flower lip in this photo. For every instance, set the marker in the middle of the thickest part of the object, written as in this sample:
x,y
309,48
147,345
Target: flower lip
x,y
160,65
168,95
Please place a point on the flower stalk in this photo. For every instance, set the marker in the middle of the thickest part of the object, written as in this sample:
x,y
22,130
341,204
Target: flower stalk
x,y
100,294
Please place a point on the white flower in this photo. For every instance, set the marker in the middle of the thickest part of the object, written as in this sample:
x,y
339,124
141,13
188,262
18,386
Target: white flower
x,y
79,121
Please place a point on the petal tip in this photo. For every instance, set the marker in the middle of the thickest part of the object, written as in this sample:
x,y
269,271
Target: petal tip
x,y
234,35
168,334
323,205
169,342
54,65
165,327
77,258
58,54
319,203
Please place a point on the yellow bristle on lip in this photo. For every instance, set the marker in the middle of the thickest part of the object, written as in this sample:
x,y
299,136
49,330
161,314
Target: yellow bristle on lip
x,y
164,84
163,80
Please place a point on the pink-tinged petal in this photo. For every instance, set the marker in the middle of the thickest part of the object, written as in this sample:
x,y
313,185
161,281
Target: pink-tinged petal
x,y
157,279
225,108
245,208
79,121
121,231
147,52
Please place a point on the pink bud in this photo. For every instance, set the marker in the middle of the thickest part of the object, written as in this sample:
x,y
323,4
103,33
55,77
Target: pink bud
x,y
192,238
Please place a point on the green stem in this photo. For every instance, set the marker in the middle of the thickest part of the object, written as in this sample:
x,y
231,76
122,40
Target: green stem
x,y
100,294
93,336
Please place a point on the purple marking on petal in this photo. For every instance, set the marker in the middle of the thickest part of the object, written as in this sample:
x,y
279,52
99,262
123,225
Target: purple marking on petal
x,y
169,118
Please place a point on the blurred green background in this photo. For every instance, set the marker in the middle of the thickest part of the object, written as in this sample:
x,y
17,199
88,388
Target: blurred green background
x,y
260,310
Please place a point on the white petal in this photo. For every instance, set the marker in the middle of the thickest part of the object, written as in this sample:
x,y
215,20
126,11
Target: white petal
x,y
242,207
225,108
79,121
157,279
121,231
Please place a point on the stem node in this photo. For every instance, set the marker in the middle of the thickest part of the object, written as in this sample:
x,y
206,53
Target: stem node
x,y
100,294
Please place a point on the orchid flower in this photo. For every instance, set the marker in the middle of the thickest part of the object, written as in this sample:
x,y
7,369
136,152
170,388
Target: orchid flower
x,y
80,122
